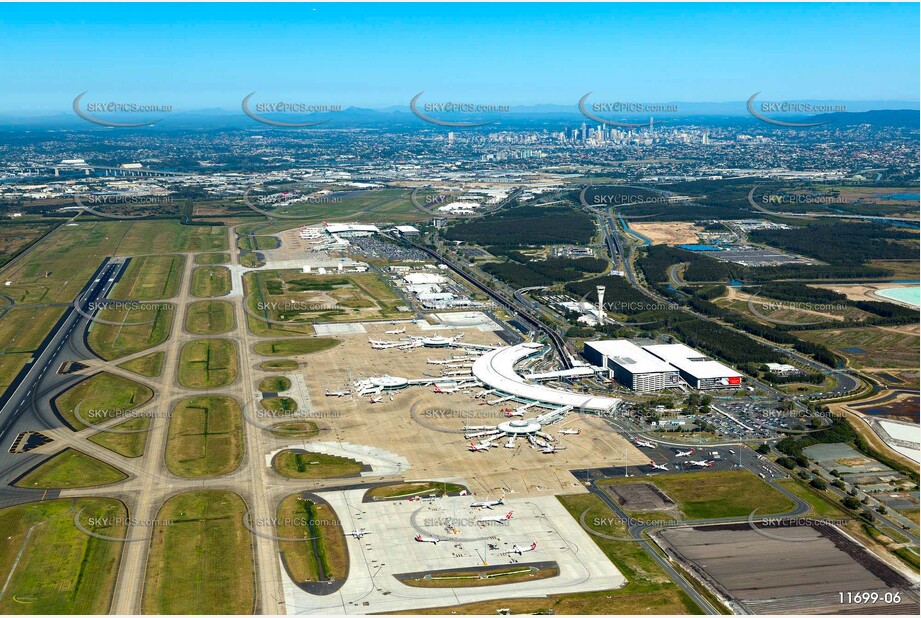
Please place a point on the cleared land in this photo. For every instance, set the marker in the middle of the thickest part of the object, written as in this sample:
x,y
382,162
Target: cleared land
x,y
69,469
727,493
210,281
125,444
137,330
325,557
212,258
292,347
60,570
671,233
209,317
871,347
202,562
208,363
274,384
101,397
205,437
150,365
298,299
150,277
296,464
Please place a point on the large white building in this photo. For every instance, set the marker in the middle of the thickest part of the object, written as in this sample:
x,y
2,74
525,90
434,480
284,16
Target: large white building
x,y
697,369
631,365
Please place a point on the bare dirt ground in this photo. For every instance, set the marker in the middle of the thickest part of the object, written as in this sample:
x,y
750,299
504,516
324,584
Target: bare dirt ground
x,y
862,291
671,233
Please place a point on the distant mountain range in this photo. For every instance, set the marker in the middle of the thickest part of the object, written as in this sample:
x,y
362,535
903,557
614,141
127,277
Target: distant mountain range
x,y
878,113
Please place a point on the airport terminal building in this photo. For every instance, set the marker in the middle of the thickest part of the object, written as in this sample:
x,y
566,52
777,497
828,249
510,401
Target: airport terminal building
x,y
698,370
631,365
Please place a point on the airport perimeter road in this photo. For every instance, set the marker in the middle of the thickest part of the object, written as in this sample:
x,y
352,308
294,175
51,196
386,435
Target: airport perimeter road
x,y
24,406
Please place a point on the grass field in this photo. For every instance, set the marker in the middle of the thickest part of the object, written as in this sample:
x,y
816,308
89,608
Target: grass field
x,y
208,363
202,562
68,469
491,576
23,330
278,405
400,491
205,437
10,366
103,396
377,205
299,299
257,243
295,429
727,493
274,384
210,281
169,236
150,365
282,364
649,589
150,277
15,237
209,317
211,259
139,328
303,465
883,348
125,444
298,556
292,347
61,570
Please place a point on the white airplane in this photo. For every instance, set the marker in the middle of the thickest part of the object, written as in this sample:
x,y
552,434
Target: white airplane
x,y
427,539
395,332
570,432
499,519
551,450
438,362
701,463
684,453
376,399
656,466
330,393
510,413
444,391
643,443
359,533
517,549
479,446
487,504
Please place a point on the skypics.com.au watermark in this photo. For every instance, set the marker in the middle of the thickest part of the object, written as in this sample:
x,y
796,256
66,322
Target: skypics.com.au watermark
x,y
92,111
91,201
621,107
421,111
790,107
796,198
255,111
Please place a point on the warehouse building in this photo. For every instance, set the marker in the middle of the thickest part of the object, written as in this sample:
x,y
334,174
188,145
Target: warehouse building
x,y
698,370
631,365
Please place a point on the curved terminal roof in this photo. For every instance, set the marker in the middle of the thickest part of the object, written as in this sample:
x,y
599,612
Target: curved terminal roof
x,y
497,370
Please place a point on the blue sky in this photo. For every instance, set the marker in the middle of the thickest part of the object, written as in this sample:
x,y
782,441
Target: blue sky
x,y
371,55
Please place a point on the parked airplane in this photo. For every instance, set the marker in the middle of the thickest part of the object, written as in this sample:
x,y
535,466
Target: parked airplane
x,y
479,446
499,519
487,504
395,332
684,453
551,450
570,432
427,539
359,533
330,393
510,413
643,443
376,399
517,549
511,442
656,466
701,463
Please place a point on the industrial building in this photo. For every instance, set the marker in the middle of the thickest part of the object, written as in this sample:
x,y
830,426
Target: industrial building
x,y
698,370
631,365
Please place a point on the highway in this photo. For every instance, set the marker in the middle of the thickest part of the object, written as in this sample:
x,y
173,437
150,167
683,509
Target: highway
x,y
26,404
